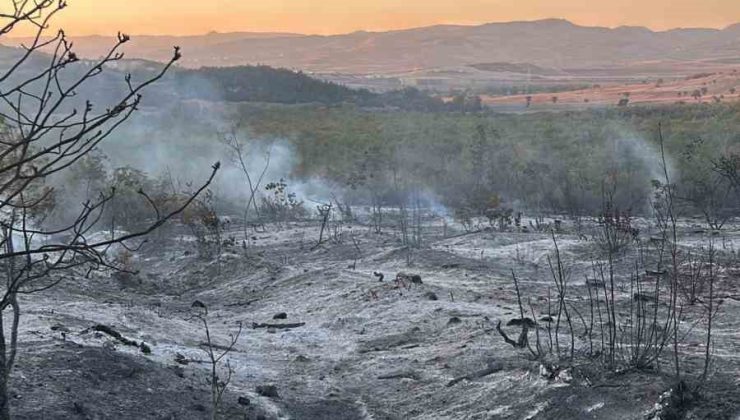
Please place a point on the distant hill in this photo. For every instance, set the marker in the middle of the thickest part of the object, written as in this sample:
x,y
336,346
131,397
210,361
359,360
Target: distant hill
x,y
262,84
271,85
551,44
221,84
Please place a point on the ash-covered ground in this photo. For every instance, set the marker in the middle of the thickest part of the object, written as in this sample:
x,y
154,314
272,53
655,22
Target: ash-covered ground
x,y
363,348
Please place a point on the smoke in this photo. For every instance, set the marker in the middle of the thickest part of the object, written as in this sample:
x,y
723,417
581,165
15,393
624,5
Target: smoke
x,y
181,139
183,142
640,163
631,148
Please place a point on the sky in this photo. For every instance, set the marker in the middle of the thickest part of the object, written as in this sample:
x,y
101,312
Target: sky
x,y
188,17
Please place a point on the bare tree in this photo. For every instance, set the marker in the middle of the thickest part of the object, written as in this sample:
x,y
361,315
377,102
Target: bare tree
x,y
216,353
711,310
48,129
324,211
240,153
669,227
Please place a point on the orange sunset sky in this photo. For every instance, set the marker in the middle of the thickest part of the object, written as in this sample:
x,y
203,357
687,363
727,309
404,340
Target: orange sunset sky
x,y
180,17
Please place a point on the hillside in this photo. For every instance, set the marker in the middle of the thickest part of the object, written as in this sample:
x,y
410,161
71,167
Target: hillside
x,y
275,85
263,84
551,43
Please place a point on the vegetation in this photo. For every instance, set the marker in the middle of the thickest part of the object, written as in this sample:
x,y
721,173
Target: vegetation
x,y
549,163
263,84
271,85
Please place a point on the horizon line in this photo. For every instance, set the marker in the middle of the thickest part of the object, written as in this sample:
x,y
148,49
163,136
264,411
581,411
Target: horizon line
x,y
410,28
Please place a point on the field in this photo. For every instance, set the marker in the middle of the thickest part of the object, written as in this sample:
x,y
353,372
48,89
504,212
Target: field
x,y
701,88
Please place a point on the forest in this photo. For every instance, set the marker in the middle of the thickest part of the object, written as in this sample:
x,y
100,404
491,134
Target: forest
x,y
538,163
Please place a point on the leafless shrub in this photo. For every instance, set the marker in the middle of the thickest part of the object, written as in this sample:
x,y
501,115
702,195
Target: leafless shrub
x,y
500,217
642,331
465,217
47,130
207,228
220,374
241,150
616,231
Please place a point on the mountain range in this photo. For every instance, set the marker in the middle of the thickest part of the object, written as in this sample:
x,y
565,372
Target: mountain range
x,y
550,44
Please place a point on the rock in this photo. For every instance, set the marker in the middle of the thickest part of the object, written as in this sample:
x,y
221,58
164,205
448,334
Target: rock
x,y
431,296
545,372
546,318
179,371
644,297
127,280
280,315
179,358
269,391
454,320
78,407
60,327
654,273
402,374
565,376
411,278
521,321
594,283
244,401
554,372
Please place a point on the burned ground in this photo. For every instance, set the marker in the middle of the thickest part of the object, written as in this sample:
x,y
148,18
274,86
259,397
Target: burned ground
x,y
360,348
